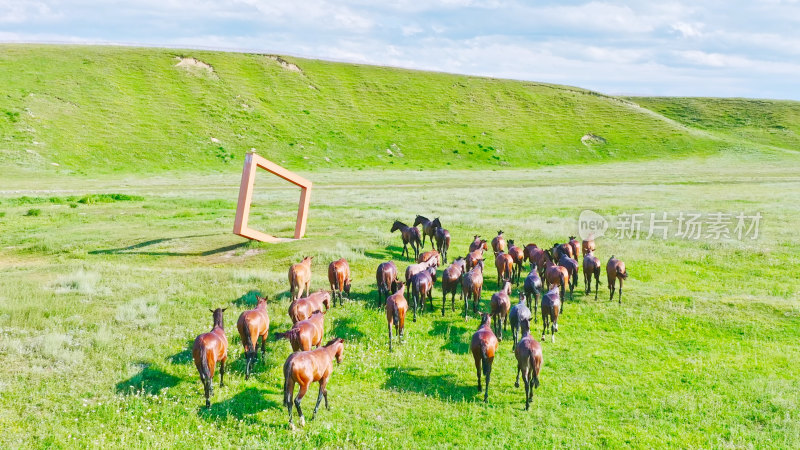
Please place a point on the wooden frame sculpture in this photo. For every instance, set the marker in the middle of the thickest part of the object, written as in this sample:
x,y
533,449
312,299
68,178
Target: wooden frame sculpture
x,y
252,161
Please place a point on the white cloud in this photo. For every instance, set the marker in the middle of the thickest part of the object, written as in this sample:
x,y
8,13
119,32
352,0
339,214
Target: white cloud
x,y
688,30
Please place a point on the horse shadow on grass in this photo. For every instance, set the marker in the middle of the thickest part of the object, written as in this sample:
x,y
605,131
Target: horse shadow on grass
x,y
149,381
445,387
456,336
133,248
249,299
347,329
243,406
390,253
184,356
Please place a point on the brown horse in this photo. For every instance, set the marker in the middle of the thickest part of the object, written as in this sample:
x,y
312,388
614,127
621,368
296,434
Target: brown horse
x,y
499,243
254,324
483,347
529,361
422,288
555,275
432,257
302,308
537,257
442,242
615,270
410,235
527,251
473,257
518,255
451,280
209,348
396,308
478,243
300,277
591,266
576,247
414,269
305,368
519,312
499,309
305,333
339,279
572,269
532,287
560,250
386,276
551,307
587,246
504,264
471,287
428,228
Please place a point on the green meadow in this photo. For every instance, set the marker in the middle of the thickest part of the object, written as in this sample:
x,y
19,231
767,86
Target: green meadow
x,y
110,260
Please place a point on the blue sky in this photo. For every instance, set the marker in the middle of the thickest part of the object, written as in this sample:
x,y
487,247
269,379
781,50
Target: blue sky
x,y
693,48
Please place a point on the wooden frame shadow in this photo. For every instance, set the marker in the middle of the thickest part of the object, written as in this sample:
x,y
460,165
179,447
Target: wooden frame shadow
x,y
253,161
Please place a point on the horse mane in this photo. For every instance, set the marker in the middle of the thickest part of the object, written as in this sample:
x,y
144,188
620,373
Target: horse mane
x,y
333,341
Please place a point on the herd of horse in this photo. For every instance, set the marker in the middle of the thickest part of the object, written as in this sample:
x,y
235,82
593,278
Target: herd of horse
x,y
552,271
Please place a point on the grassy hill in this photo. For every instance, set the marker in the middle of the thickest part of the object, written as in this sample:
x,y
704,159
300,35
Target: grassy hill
x,y
89,109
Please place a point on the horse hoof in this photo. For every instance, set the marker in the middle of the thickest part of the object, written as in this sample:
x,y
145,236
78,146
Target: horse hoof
x,y
302,421
516,385
291,426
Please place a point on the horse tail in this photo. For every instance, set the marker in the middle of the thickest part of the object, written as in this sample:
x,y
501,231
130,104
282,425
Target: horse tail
x,y
535,369
287,394
247,341
623,275
597,274
396,315
205,371
290,334
486,365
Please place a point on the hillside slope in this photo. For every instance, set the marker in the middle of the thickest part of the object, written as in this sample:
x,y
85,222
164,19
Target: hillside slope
x,y
95,109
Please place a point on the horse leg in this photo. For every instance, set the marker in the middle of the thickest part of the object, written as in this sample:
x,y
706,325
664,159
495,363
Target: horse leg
x,y
516,383
620,291
288,392
416,298
297,400
488,368
444,300
527,387
222,372
390,335
322,392
478,369
207,390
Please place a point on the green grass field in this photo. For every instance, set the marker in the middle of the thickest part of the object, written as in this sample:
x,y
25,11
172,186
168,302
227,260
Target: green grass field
x,y
110,261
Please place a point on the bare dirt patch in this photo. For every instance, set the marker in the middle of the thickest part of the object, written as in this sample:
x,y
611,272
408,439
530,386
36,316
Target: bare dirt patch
x,y
589,139
291,67
195,66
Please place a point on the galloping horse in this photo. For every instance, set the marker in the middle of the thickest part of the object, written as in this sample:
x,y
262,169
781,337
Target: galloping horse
x,y
551,307
410,235
529,362
572,269
386,277
339,279
442,242
555,275
396,308
305,333
305,368
499,307
499,243
302,308
615,270
483,347
254,324
300,277
591,266
451,279
471,287
428,228
209,348
518,255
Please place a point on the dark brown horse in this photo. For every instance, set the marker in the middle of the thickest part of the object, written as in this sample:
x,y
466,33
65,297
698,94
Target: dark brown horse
x,y
422,289
396,308
414,269
305,333
478,243
253,324
519,313
551,307
305,368
410,235
428,228
537,257
504,264
442,242
473,257
499,306
615,270
560,250
529,361
432,257
518,255
483,347
572,270
555,275
385,276
576,247
471,287
499,243
591,266
300,278
451,280
302,308
208,349
533,287
339,278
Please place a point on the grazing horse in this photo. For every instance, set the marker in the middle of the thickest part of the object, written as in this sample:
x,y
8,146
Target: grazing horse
x,y
396,308
451,280
532,287
422,288
587,246
305,368
551,307
302,308
478,243
504,264
518,255
432,257
300,277
615,270
428,228
473,257
555,275
572,269
591,266
410,235
339,278
519,313
442,242
499,243
386,276
529,362
471,287
483,347
209,348
305,333
253,324
573,242
499,307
